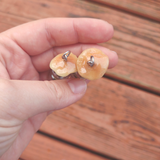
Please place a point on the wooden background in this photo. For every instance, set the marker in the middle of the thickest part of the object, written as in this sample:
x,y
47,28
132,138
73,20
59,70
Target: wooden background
x,y
119,117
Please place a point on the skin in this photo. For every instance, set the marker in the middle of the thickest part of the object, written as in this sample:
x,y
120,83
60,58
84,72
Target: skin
x,y
27,94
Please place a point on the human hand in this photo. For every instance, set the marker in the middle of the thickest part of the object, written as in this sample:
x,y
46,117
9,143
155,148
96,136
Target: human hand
x,y
27,95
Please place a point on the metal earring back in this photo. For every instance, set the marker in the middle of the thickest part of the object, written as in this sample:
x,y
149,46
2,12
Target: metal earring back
x,y
91,61
66,55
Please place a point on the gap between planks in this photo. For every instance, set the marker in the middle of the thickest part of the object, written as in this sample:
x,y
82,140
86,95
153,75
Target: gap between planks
x,y
43,147
132,83
125,10
76,146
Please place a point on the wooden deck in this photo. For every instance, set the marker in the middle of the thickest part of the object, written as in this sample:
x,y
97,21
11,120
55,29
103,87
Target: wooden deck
x,y
119,117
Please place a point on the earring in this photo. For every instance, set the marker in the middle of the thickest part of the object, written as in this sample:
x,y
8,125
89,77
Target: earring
x,y
91,64
63,65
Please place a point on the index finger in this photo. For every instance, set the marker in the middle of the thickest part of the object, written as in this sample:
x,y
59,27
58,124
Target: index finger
x,y
39,36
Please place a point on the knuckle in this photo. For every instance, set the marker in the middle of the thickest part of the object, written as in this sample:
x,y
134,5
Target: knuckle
x,y
50,38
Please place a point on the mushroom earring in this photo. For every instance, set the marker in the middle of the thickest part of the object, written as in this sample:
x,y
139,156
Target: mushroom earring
x,y
92,64
63,65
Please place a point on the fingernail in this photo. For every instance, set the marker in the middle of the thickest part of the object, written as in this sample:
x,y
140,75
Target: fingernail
x,y
112,26
77,86
114,52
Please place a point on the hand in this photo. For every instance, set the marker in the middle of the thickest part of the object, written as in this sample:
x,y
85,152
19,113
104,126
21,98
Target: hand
x,y
27,95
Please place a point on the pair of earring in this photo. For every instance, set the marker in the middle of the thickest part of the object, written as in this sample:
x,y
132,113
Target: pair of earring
x,y
91,64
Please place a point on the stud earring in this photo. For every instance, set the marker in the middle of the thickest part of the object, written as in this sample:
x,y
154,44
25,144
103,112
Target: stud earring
x,y
63,65
92,64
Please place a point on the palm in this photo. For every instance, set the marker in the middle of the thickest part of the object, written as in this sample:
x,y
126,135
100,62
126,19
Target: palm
x,y
25,53
25,70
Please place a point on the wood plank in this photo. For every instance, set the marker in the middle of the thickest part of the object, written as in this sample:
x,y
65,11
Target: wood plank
x,y
113,119
148,9
9,21
44,148
128,126
136,40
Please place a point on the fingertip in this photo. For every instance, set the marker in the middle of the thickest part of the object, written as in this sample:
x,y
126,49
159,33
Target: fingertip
x,y
91,30
111,31
113,59
107,30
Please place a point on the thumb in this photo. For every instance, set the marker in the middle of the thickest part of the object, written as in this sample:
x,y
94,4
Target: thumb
x,y
24,99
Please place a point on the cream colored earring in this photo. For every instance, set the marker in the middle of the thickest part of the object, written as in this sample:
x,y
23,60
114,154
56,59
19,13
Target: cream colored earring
x,y
91,64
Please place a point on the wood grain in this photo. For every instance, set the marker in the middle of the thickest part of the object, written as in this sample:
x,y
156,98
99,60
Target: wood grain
x,y
146,8
112,119
136,40
44,148
8,21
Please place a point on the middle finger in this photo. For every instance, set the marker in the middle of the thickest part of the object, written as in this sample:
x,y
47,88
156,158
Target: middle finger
x,y
41,62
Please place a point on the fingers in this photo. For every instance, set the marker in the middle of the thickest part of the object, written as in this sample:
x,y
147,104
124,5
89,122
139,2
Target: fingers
x,y
39,36
24,99
41,62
